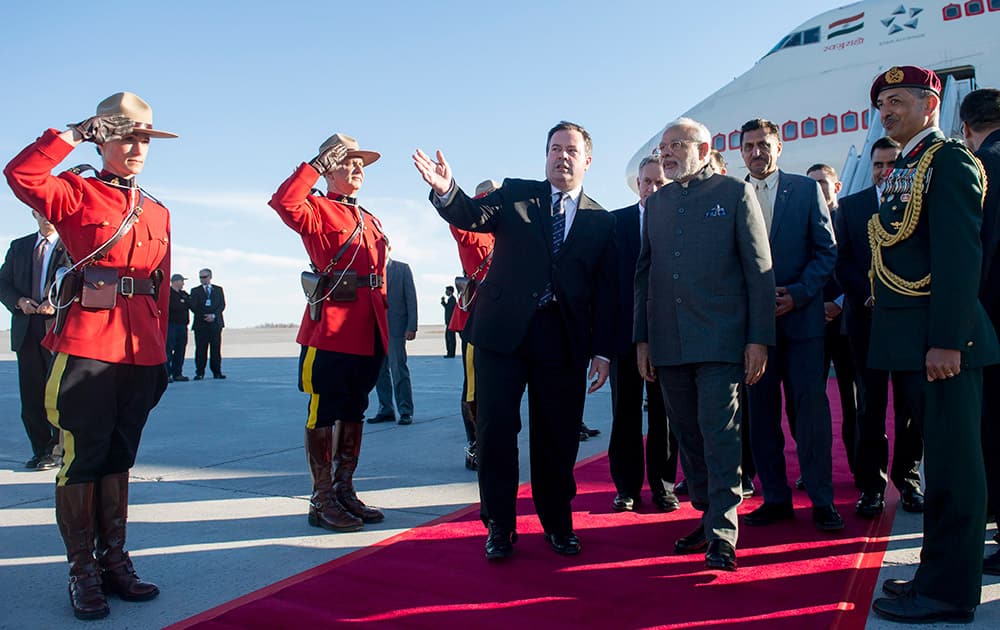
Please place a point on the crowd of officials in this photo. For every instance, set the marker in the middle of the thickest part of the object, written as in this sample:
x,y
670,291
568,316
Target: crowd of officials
x,y
703,302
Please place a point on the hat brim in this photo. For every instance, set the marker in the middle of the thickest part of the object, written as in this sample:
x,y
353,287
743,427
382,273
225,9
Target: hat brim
x,y
367,157
155,133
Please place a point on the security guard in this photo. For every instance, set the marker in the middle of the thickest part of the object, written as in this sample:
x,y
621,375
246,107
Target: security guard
x,y
343,347
107,368
930,329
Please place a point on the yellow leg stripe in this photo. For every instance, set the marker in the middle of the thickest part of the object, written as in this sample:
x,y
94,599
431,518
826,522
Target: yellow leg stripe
x,y
470,374
52,411
307,386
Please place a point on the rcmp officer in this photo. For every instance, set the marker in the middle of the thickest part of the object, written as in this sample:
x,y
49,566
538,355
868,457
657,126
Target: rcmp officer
x,y
107,368
345,332
929,328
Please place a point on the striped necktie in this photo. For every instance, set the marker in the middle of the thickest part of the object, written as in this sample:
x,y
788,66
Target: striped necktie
x,y
558,227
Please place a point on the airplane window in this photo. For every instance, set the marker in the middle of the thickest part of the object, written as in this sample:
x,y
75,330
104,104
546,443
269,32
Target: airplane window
x,y
790,131
864,119
951,12
993,5
974,8
829,124
734,140
799,38
811,36
809,128
849,122
719,142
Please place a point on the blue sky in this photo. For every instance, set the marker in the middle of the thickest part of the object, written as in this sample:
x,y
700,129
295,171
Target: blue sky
x,y
253,88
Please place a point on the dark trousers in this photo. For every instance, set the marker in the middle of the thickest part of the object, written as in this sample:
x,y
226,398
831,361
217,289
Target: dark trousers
x,y
837,350
625,448
468,387
207,343
556,384
338,384
702,400
796,364
871,459
177,339
748,467
449,342
949,413
394,378
991,436
32,368
102,408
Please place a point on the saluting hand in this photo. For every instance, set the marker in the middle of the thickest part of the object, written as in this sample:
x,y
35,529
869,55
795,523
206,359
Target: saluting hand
x,y
437,174
329,159
103,128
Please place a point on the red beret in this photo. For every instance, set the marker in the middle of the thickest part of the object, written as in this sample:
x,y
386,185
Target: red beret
x,y
905,77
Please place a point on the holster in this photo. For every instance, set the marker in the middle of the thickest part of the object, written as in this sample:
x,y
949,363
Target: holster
x,y
100,288
67,291
315,285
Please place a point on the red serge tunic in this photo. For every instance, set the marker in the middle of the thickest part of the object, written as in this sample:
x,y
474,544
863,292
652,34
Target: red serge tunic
x,y
324,225
473,248
86,212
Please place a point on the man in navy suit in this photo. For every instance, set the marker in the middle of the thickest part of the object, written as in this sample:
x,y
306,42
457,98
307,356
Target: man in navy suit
x,y
854,260
25,276
625,450
804,251
207,303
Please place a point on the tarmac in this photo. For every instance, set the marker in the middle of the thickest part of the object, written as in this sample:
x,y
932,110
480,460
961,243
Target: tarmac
x,y
220,489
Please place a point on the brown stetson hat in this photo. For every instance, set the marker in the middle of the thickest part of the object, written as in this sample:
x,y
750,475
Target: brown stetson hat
x,y
130,105
486,186
353,149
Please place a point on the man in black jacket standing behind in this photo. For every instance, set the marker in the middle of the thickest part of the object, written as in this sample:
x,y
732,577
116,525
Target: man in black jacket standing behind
x,y
207,303
545,309
177,336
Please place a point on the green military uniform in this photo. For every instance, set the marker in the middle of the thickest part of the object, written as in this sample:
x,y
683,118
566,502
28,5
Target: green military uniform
x,y
925,279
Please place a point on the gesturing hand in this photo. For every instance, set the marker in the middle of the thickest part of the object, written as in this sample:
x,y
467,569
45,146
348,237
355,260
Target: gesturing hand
x,y
329,159
437,174
101,129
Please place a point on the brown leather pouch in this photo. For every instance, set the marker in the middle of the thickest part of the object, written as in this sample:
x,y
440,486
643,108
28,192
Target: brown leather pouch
x,y
100,288
315,286
346,289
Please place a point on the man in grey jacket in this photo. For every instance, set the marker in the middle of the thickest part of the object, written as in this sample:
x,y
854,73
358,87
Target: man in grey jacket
x,y
704,316
395,375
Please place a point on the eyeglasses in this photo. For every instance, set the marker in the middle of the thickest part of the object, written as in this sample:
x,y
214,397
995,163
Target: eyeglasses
x,y
204,277
673,146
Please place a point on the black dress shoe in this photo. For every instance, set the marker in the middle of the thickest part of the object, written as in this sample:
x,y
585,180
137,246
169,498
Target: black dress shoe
x,y
870,504
590,432
198,377
47,462
693,542
499,542
32,464
584,436
564,544
991,565
827,519
666,501
382,418
406,419
915,608
623,503
219,375
911,500
181,379
720,555
748,488
799,484
770,513
681,488
897,588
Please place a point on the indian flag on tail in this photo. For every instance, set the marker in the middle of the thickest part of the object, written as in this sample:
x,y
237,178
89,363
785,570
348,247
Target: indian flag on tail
x,y
846,26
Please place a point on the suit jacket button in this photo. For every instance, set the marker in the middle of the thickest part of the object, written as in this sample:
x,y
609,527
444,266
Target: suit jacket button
x,y
970,344
534,295
678,300
680,210
676,276
677,254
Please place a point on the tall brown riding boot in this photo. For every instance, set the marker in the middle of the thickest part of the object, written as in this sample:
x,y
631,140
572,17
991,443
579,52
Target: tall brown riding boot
x,y
347,438
75,516
324,509
118,576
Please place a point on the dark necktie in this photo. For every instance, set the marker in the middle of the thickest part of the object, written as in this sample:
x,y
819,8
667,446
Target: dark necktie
x,y
38,270
558,227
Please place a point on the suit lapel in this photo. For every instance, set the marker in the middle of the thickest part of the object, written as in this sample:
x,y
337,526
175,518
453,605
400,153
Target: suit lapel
x,y
543,220
784,191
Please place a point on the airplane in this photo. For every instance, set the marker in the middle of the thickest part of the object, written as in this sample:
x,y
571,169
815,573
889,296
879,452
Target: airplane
x,y
814,82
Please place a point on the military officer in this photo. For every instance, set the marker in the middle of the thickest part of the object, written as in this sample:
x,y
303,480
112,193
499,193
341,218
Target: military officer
x,y
343,348
930,329
107,369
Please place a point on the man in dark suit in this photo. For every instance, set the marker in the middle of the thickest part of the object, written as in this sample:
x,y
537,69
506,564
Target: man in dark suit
x,y
177,329
936,336
448,303
854,260
804,252
25,277
395,375
625,449
207,303
545,309
980,113
837,350
705,262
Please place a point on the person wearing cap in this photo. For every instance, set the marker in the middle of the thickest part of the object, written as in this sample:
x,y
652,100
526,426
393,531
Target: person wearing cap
x,y
475,251
27,271
107,369
543,313
929,328
177,323
342,350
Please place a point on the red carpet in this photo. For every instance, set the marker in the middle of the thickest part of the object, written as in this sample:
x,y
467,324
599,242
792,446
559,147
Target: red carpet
x,y
435,576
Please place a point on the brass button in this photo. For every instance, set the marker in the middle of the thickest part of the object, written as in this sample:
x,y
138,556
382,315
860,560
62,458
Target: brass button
x,y
166,240
100,283
970,344
131,268
138,243
105,223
